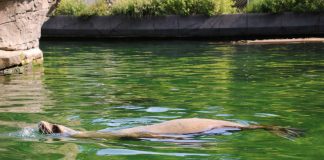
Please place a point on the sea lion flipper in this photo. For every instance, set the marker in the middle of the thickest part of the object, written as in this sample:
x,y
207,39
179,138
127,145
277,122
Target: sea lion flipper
x,y
285,132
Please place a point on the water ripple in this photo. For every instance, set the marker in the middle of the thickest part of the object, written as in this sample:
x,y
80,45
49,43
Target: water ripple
x,y
114,152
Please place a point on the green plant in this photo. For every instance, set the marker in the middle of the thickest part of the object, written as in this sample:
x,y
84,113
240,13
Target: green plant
x,y
136,8
141,8
224,7
99,8
279,6
70,7
79,8
178,7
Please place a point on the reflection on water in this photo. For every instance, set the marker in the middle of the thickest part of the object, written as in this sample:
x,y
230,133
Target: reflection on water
x,y
135,152
24,93
112,85
16,124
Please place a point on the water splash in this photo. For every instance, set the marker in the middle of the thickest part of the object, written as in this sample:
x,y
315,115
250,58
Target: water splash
x,y
26,133
32,134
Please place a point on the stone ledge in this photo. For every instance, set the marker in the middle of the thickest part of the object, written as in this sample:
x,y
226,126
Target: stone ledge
x,y
9,59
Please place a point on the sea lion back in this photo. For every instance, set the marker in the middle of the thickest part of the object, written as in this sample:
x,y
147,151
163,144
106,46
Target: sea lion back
x,y
183,126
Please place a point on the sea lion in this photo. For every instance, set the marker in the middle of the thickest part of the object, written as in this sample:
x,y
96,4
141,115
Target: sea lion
x,y
169,129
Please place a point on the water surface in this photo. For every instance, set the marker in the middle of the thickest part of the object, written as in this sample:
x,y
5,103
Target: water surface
x,y
114,85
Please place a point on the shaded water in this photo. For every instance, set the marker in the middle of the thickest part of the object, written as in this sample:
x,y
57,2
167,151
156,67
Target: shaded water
x,y
108,86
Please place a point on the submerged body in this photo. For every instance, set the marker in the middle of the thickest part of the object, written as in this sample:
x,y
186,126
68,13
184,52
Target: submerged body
x,y
183,126
168,129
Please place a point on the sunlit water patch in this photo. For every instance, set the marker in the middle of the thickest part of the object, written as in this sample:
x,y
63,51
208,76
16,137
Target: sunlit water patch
x,y
114,152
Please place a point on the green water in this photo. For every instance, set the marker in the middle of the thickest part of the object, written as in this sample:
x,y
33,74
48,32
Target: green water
x,y
113,85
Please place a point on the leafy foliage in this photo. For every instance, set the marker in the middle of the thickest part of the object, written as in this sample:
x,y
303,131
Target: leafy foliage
x,y
137,8
79,8
279,6
172,7
140,8
70,7
100,8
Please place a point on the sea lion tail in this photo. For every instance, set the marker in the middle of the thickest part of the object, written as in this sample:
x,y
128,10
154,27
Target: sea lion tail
x,y
285,132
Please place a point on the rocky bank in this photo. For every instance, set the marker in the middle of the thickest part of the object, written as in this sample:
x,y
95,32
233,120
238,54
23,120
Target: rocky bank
x,y
20,30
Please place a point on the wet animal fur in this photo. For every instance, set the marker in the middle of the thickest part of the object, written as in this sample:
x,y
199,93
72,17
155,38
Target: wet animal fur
x,y
168,129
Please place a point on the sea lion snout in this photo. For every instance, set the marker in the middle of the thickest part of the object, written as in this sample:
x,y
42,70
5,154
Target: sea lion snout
x,y
48,128
45,127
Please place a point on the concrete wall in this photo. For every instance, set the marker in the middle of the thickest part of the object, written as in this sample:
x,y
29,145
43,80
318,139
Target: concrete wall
x,y
238,26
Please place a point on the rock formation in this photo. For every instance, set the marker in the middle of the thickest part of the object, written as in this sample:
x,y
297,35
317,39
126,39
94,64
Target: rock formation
x,y
20,30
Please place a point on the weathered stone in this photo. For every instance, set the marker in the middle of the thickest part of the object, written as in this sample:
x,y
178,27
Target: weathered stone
x,y
21,22
17,58
13,70
20,30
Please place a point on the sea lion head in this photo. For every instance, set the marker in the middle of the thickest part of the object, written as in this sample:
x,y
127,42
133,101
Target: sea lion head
x,y
48,128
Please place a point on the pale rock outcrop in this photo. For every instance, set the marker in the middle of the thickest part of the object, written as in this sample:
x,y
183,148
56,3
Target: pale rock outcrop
x,y
20,26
